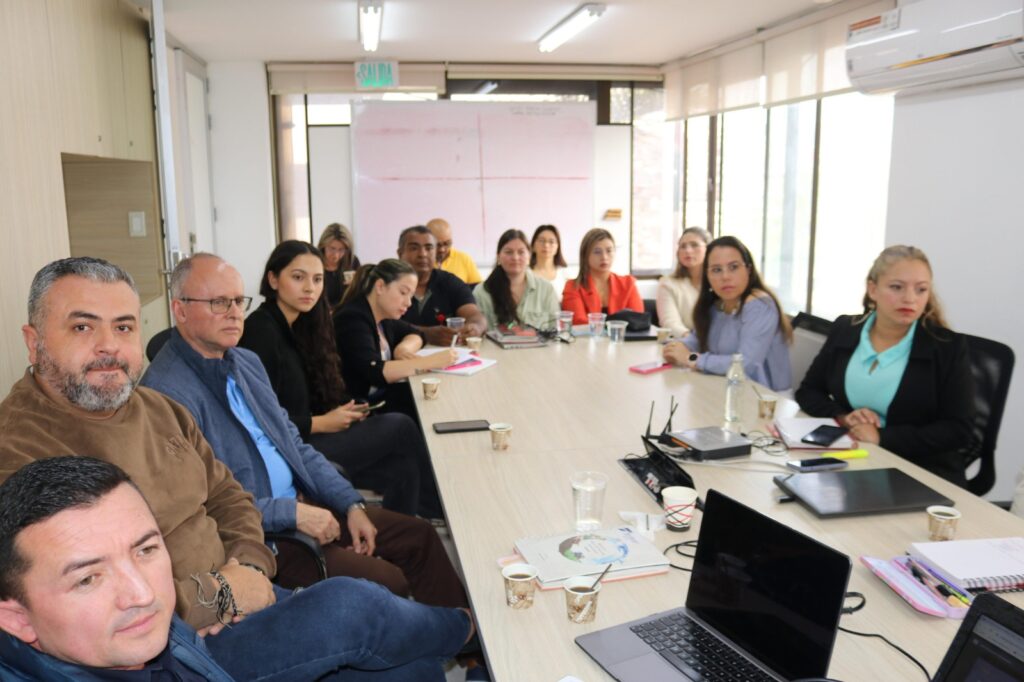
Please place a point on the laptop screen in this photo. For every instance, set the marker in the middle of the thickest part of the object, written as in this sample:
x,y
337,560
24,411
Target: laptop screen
x,y
774,592
991,653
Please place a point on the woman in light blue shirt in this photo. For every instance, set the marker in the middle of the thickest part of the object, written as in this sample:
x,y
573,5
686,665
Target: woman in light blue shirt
x,y
736,313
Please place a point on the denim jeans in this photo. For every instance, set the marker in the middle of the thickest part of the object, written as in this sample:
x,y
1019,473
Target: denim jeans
x,y
345,623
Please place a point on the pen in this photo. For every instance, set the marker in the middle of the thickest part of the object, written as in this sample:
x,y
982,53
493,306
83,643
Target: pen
x,y
846,454
915,565
455,339
948,595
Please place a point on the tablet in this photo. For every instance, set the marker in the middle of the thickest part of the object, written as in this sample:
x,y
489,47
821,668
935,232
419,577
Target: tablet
x,y
862,491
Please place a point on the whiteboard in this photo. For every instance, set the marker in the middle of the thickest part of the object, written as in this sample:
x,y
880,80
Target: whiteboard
x,y
483,167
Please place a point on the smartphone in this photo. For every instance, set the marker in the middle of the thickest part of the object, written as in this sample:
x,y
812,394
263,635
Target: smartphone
x,y
366,407
824,435
462,427
817,464
650,367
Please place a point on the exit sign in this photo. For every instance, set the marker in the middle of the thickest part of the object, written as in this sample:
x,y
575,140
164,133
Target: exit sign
x,y
376,75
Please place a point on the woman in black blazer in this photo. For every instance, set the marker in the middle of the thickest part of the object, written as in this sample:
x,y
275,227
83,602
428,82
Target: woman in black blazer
x,y
292,334
923,414
378,350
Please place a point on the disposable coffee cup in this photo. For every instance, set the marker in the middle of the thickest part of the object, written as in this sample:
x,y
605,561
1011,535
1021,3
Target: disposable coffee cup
x,y
617,331
581,598
348,275
942,522
679,503
501,436
766,407
596,322
431,388
474,342
664,335
519,585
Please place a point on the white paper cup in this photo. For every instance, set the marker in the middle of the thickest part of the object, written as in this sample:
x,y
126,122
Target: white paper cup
x,y
501,436
581,598
942,522
519,585
679,503
474,342
431,388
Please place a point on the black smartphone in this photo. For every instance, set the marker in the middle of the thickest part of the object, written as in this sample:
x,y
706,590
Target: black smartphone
x,y
824,435
462,427
817,464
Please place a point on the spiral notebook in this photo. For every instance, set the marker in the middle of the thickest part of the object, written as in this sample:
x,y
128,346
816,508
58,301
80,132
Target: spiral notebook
x,y
989,565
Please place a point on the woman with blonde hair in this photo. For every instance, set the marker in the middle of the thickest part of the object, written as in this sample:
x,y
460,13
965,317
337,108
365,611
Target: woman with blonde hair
x,y
597,289
678,292
896,375
339,257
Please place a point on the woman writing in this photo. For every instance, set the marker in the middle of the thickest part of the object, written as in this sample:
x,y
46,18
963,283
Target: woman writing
x,y
735,313
597,289
339,257
896,375
678,292
512,295
292,334
378,349
546,259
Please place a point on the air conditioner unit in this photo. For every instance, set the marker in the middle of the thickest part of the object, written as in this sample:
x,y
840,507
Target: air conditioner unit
x,y
933,44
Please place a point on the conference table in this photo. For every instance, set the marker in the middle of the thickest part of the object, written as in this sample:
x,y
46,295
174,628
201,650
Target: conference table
x,y
577,407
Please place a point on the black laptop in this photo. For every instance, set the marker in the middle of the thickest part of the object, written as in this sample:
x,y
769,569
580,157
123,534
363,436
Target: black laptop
x,y
764,603
989,646
861,491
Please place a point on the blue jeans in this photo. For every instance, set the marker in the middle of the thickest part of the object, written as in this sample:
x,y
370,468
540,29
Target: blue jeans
x,y
345,623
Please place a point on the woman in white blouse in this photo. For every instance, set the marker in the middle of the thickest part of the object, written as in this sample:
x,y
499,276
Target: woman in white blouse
x,y
546,259
677,293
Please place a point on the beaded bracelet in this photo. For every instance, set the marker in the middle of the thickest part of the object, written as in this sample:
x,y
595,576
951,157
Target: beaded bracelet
x,y
223,600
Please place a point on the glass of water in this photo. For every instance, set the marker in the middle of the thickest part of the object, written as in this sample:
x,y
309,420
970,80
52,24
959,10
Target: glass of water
x,y
588,498
565,322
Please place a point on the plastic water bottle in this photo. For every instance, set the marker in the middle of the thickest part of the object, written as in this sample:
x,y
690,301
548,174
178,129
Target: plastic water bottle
x,y
734,386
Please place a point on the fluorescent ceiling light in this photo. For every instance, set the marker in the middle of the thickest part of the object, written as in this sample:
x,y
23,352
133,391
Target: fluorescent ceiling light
x,y
370,12
486,88
570,26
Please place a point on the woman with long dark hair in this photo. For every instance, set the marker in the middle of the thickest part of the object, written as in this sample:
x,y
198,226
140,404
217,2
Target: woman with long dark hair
x,y
896,375
678,292
293,335
596,288
338,249
736,313
512,295
546,259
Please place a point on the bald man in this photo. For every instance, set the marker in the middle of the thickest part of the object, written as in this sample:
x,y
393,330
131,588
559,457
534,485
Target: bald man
x,y
451,259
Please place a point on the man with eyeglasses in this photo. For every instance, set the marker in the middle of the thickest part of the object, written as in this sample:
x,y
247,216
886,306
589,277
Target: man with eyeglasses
x,y
79,397
451,259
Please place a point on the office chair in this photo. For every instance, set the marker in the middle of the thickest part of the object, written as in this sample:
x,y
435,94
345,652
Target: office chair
x,y
992,367
305,542
809,334
651,308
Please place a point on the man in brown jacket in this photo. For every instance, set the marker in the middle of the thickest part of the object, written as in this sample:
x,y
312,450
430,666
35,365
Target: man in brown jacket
x,y
80,397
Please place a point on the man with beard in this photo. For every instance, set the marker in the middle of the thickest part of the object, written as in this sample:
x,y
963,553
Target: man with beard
x,y
79,398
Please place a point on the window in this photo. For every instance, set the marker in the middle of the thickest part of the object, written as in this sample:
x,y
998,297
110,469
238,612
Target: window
x,y
695,210
655,182
741,188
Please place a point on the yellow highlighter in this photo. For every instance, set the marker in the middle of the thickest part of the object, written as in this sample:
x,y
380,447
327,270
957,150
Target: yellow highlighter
x,y
846,454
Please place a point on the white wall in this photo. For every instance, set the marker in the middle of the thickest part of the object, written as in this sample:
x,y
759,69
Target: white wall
x,y
243,194
956,190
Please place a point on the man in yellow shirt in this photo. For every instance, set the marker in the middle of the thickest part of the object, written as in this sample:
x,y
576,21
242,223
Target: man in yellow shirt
x,y
450,259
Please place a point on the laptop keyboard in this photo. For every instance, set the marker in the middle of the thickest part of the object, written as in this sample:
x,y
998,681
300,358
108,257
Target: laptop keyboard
x,y
695,651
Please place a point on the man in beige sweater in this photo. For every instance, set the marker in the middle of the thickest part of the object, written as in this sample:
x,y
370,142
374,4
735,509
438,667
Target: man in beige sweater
x,y
79,397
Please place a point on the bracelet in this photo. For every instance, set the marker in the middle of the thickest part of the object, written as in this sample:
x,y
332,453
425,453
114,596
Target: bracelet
x,y
223,600
253,567
357,505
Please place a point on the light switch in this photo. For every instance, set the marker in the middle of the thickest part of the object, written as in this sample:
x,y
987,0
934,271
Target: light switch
x,y
136,223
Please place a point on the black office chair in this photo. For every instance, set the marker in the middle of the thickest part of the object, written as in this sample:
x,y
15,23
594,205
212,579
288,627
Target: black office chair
x,y
651,308
303,541
992,367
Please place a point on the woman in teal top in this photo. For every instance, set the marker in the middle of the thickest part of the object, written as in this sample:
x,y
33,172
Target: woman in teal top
x,y
512,294
896,375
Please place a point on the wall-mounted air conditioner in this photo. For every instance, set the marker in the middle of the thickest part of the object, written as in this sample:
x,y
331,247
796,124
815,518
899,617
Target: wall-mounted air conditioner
x,y
932,44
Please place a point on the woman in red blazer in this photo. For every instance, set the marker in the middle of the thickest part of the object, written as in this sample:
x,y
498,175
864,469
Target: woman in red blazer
x,y
597,289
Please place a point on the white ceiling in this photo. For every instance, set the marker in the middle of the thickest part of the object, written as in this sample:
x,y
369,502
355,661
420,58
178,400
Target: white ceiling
x,y
635,32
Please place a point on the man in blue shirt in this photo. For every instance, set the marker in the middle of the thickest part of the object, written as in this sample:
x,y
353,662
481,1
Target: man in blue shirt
x,y
86,588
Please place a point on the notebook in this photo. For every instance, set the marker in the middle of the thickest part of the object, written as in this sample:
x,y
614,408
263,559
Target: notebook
x,y
993,564
792,429
989,646
765,592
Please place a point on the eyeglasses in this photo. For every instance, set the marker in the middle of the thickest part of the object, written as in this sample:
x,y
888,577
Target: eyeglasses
x,y
718,270
547,242
219,306
610,251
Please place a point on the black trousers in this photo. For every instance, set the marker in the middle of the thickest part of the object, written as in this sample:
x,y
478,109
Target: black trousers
x,y
387,453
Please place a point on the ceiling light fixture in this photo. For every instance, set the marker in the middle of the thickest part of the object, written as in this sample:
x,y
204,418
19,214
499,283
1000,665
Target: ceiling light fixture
x,y
486,88
370,14
573,24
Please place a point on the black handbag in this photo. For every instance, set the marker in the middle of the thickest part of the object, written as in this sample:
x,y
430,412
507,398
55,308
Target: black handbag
x,y
635,322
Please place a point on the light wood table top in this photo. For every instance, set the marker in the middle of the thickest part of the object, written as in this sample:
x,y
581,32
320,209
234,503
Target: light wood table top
x,y
577,407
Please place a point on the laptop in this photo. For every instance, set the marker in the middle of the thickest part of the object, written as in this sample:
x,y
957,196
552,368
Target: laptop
x,y
761,595
989,646
862,491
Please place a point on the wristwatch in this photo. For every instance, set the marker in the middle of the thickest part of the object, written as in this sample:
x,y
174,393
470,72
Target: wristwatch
x,y
357,505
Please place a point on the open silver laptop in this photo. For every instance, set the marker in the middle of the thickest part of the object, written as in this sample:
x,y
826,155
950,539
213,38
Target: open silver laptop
x,y
764,603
